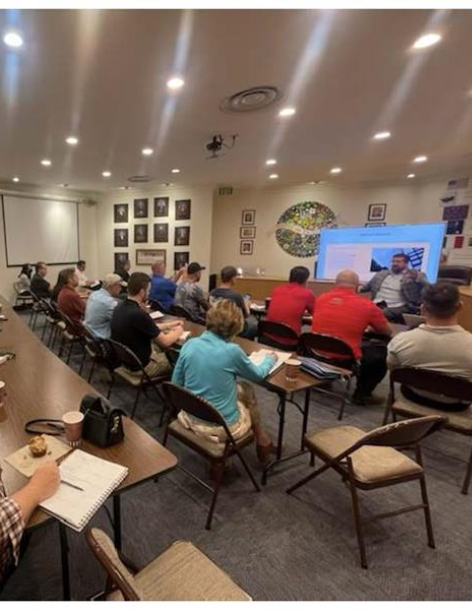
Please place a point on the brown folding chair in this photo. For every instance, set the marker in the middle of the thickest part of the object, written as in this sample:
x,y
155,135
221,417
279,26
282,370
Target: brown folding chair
x,y
215,453
333,351
72,334
180,573
440,384
371,460
269,332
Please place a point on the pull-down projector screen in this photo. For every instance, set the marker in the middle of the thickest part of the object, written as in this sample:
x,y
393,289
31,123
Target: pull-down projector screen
x,y
40,230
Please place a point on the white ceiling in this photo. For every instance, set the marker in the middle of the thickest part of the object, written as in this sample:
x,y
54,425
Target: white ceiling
x,y
101,75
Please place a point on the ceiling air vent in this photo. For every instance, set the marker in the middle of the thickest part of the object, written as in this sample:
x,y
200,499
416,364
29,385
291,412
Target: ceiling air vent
x,y
251,100
225,190
139,179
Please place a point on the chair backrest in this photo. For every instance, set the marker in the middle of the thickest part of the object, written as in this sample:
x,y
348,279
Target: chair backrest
x,y
271,331
106,553
125,356
182,399
74,328
212,282
325,347
456,274
408,432
181,312
437,383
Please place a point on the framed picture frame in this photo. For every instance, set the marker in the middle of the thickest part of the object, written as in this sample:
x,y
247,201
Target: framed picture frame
x,y
182,236
140,234
141,208
375,224
247,232
246,246
248,217
377,211
120,260
120,238
161,233
181,259
161,207
148,256
183,209
120,212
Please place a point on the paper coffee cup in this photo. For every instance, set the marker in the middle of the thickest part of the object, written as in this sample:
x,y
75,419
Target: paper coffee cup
x,y
292,367
73,422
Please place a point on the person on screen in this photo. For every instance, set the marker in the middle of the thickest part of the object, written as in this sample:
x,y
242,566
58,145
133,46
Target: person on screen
x,y
346,315
398,290
440,344
39,285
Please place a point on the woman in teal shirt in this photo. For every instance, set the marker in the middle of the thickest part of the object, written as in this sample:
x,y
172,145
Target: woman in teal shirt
x,y
208,367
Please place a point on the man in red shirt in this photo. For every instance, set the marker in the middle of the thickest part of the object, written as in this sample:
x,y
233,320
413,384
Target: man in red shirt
x,y
69,301
344,314
290,301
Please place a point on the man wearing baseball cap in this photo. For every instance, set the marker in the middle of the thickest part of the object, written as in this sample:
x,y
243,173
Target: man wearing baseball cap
x,y
189,295
101,304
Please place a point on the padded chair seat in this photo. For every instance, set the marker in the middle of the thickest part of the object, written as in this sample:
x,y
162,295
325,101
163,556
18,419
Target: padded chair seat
x,y
461,420
213,449
371,464
183,573
135,380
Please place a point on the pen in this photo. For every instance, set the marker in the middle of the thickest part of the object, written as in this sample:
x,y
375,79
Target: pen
x,y
71,485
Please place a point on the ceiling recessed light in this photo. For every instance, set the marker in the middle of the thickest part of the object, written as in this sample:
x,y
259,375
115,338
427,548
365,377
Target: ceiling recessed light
x,y
428,40
271,162
72,140
16,179
64,185
273,176
287,112
335,170
106,174
147,151
167,184
411,176
175,82
382,135
175,170
13,39
46,162
123,188
420,159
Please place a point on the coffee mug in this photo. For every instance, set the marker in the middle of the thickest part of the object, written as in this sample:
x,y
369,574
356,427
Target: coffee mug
x,y
292,367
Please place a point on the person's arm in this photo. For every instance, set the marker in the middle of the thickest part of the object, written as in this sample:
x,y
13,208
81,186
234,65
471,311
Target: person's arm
x,y
200,298
169,338
178,375
379,322
165,326
247,369
367,287
176,277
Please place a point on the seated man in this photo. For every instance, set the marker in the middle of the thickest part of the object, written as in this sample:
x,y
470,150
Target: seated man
x,y
397,291
16,509
344,314
226,291
163,288
123,272
69,301
132,326
290,301
39,285
189,295
100,306
440,345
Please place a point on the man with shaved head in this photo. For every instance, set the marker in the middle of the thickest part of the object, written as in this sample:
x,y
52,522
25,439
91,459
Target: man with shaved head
x,y
344,314
163,288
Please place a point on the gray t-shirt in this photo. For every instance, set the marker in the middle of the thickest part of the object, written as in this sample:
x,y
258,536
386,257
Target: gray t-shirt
x,y
190,296
390,291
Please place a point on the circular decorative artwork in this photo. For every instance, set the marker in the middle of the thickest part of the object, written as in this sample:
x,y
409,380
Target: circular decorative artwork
x,y
298,229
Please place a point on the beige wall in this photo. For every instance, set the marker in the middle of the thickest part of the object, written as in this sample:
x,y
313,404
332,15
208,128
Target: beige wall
x,y
405,204
200,226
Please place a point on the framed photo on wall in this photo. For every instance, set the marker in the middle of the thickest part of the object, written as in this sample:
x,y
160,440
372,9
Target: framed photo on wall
x,y
248,217
182,209
150,255
182,236
377,211
161,207
161,233
247,246
120,212
140,208
180,260
121,238
120,260
140,234
247,232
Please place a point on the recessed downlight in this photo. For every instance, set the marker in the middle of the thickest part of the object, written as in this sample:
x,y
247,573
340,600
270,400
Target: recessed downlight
x,y
420,159
176,82
382,135
13,39
176,170
46,162
147,152
167,184
16,179
64,185
335,170
123,188
411,176
427,40
271,162
72,140
106,174
273,176
289,111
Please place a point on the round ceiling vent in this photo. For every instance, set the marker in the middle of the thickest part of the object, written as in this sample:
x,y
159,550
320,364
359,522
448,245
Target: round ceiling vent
x,y
139,179
251,100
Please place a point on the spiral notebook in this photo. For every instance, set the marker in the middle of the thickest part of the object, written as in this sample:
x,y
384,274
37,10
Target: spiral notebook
x,y
86,482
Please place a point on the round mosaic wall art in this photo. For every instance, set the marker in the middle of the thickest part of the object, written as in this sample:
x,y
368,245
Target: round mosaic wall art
x,y
298,229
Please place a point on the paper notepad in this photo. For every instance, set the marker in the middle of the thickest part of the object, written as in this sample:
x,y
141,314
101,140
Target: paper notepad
x,y
259,357
96,477
155,315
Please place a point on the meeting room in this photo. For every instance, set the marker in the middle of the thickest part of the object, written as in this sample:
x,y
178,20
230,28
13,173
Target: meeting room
x,y
235,302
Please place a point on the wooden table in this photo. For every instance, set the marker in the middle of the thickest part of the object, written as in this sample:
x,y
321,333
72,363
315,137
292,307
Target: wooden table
x,y
40,385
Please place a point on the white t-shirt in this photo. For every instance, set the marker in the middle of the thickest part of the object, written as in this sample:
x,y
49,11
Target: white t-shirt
x,y
390,291
83,279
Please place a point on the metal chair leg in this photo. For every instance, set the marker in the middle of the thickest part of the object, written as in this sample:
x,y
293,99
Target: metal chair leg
x,y
214,499
468,475
110,387
70,352
247,469
344,399
424,496
45,325
83,362
138,394
357,515
61,346
92,371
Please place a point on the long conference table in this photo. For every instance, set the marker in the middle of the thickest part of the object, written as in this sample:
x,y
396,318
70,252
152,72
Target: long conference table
x,y
40,385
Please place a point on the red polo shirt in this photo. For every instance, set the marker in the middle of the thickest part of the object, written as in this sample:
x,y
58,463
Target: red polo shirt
x,y
288,304
70,303
344,314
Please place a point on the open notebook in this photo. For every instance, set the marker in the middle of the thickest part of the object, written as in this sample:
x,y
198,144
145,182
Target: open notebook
x,y
96,479
259,357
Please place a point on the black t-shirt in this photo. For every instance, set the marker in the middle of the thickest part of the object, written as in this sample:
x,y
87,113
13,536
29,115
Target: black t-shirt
x,y
135,328
227,293
40,287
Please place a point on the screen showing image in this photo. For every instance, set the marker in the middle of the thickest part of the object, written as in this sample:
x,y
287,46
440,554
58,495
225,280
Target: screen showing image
x,y
368,250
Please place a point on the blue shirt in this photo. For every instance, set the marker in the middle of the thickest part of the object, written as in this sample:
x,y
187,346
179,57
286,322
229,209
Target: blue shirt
x,y
98,313
208,366
162,290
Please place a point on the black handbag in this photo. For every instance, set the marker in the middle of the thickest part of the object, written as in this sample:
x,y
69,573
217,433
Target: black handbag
x,y
103,425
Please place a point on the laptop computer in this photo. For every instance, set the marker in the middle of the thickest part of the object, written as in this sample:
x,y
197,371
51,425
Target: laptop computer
x,y
412,320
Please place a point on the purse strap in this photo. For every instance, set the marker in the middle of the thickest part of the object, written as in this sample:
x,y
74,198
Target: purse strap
x,y
53,427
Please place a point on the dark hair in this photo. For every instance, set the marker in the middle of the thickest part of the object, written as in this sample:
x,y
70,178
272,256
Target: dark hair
x,y
228,273
26,269
62,280
299,275
137,281
81,262
38,266
67,274
441,299
402,255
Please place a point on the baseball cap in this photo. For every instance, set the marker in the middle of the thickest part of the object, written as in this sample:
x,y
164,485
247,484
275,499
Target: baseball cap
x,y
194,268
113,278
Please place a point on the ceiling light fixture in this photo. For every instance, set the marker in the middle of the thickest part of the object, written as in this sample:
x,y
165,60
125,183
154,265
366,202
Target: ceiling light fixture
x,y
335,170
287,112
46,162
167,184
428,40
72,140
271,162
411,176
106,174
147,151
65,185
175,170
382,135
420,159
13,39
273,176
123,188
175,83
16,179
